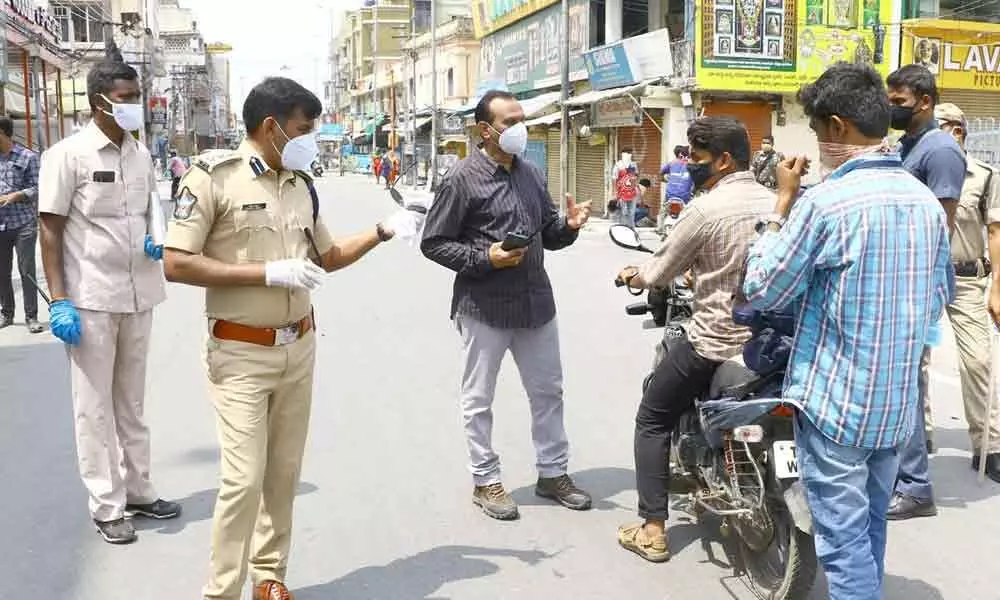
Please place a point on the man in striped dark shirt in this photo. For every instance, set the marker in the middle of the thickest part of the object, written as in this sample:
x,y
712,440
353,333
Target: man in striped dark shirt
x,y
503,299
867,253
18,225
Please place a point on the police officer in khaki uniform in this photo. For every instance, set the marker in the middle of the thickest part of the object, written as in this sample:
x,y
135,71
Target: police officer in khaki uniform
x,y
246,227
93,197
979,207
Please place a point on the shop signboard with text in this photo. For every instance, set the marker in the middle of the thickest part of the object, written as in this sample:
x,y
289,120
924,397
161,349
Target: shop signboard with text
x,y
525,55
961,54
492,15
35,17
630,60
779,45
623,111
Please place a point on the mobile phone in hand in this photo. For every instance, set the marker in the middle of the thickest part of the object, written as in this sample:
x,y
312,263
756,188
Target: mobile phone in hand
x,y
515,240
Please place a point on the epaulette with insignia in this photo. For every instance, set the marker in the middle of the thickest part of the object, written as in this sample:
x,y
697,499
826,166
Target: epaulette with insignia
x,y
210,160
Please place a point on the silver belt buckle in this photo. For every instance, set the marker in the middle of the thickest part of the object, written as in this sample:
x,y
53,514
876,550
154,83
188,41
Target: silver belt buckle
x,y
286,335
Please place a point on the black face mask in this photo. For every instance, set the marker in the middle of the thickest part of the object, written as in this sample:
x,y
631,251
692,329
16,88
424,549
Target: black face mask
x,y
700,173
901,117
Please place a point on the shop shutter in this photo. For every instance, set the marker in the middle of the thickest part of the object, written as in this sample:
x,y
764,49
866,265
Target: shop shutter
x,y
646,141
973,103
589,174
755,116
552,159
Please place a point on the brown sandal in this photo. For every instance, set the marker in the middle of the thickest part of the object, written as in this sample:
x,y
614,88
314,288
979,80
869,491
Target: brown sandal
x,y
633,538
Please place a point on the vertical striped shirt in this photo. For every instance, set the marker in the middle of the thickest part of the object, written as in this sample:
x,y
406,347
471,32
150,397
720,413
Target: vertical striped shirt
x,y
478,204
19,173
867,253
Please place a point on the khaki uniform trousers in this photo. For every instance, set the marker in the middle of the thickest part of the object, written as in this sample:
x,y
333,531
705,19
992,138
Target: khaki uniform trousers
x,y
108,378
262,397
971,324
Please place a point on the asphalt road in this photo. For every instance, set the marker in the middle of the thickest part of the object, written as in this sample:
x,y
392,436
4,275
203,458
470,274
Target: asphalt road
x,y
384,510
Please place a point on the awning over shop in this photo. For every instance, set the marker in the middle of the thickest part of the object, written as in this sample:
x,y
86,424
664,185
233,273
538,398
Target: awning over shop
x,y
539,104
588,98
405,125
550,119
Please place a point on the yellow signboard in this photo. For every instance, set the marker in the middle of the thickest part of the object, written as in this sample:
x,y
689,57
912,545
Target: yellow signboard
x,y
490,15
218,48
961,54
779,45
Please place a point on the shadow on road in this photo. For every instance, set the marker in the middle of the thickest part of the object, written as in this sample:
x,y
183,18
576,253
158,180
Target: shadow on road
x,y
197,507
956,485
894,587
417,577
601,483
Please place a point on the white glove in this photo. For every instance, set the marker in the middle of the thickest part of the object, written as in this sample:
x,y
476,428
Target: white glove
x,y
293,273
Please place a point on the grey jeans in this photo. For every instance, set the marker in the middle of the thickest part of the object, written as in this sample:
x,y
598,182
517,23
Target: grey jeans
x,y
23,241
536,353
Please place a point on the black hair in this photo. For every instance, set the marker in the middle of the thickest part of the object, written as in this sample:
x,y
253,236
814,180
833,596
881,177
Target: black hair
x,y
767,138
717,135
916,78
483,113
626,151
852,91
7,126
102,76
278,97
645,182
680,151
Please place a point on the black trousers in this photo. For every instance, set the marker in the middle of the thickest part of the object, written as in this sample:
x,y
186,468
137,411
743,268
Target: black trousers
x,y
174,183
676,382
22,240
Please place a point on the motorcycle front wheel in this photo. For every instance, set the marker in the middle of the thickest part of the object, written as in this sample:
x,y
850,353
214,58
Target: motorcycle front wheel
x,y
784,569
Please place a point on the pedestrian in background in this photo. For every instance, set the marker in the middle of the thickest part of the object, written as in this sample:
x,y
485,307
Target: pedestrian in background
x,y
854,365
978,209
93,198
933,157
625,176
377,166
177,170
386,166
678,186
261,350
502,299
765,163
18,226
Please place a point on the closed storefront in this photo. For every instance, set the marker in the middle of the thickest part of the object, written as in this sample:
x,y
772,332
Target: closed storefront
x,y
755,116
974,103
588,171
552,159
645,140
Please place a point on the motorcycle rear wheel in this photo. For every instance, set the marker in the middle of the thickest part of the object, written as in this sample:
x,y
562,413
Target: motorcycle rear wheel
x,y
786,569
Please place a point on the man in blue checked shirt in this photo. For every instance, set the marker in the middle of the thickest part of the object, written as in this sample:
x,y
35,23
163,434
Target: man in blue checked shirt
x,y
18,225
866,252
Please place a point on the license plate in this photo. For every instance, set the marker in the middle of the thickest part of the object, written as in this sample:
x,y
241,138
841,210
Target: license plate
x,y
786,463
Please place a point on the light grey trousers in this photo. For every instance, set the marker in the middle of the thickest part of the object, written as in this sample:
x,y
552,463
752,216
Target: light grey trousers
x,y
536,353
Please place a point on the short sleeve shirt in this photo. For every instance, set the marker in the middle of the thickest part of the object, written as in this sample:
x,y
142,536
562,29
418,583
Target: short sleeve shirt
x,y
104,193
234,209
935,158
981,190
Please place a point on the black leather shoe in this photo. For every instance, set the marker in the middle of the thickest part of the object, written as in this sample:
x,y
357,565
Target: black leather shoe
x,y
992,465
564,491
903,507
160,509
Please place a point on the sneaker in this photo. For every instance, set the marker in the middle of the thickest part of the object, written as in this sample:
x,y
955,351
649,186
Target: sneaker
x,y
495,501
271,590
634,539
903,507
161,509
34,326
564,491
118,531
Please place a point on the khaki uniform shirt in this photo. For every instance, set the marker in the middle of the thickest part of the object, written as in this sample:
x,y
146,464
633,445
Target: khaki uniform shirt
x,y
232,208
968,242
712,237
103,191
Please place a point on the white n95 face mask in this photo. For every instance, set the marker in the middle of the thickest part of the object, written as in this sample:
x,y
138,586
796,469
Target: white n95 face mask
x,y
300,152
514,139
128,116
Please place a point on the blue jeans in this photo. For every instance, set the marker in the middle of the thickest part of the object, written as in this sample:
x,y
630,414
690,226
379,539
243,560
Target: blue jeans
x,y
914,477
848,490
626,213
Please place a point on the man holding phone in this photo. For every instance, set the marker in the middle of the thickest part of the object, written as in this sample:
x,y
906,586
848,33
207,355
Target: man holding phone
x,y
491,221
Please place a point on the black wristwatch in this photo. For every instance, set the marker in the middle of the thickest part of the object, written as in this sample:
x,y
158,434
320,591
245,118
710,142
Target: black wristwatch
x,y
383,235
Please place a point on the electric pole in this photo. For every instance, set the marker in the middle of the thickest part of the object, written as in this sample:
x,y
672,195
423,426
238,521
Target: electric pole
x,y
564,126
434,97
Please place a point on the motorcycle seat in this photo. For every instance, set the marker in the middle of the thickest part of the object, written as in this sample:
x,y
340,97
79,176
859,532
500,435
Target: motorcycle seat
x,y
742,390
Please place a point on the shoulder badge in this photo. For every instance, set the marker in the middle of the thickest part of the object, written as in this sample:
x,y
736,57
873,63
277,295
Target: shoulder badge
x,y
210,160
185,204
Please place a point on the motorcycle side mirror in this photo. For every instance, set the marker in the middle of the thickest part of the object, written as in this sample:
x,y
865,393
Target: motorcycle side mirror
x,y
626,237
396,196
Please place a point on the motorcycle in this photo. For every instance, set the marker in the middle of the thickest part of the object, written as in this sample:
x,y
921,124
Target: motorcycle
x,y
317,169
733,454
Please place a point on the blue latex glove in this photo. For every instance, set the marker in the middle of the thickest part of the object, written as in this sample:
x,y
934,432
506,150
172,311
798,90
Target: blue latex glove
x,y
64,321
152,250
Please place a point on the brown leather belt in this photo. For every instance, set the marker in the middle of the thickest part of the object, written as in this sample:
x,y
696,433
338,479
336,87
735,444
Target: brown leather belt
x,y
262,336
